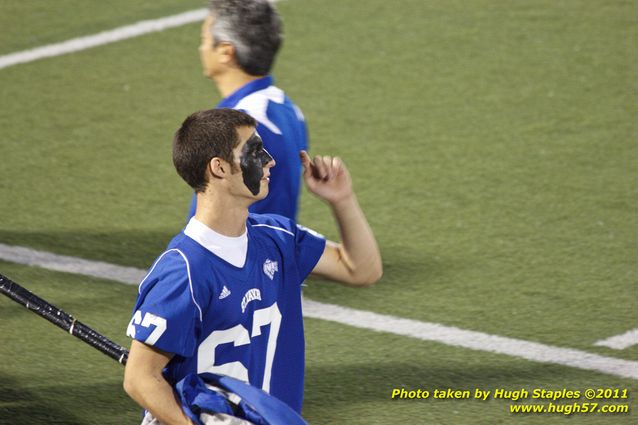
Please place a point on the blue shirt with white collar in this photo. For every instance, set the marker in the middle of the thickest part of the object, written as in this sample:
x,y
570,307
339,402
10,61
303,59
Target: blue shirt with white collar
x,y
282,127
244,322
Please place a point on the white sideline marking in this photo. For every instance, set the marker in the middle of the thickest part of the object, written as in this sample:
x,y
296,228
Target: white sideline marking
x,y
425,331
62,263
473,340
620,342
105,37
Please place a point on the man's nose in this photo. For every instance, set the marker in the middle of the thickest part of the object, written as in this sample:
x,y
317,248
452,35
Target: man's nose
x,y
266,159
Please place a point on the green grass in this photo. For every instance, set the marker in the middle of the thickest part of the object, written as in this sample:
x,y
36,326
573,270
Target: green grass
x,y
34,23
48,376
492,146
356,381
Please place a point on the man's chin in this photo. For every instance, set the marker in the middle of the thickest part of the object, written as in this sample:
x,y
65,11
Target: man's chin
x,y
207,73
263,192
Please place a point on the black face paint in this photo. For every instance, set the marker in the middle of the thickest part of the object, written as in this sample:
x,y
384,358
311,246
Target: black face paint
x,y
253,160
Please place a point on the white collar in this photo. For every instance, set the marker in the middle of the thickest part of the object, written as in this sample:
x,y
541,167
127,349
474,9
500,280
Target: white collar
x,y
231,249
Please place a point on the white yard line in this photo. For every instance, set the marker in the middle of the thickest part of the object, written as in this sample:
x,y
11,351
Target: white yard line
x,y
63,263
425,331
105,37
620,342
473,340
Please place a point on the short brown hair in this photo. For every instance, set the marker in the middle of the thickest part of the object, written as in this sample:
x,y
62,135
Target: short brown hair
x,y
203,136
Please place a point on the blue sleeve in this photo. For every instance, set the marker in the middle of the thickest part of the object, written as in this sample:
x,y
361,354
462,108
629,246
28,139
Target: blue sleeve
x,y
304,245
309,247
166,314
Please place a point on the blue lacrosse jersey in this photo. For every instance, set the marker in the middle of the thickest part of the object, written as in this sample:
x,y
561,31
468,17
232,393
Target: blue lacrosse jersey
x,y
282,127
241,322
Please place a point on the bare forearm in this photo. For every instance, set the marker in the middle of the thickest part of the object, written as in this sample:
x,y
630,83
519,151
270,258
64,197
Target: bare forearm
x,y
158,398
144,383
358,244
356,260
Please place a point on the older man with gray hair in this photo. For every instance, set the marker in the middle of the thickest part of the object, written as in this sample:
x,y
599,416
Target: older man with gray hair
x,y
240,40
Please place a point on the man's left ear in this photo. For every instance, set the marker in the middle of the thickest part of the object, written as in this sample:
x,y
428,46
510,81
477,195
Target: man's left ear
x,y
226,52
218,168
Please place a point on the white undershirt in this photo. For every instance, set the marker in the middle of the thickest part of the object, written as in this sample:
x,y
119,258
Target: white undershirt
x,y
230,249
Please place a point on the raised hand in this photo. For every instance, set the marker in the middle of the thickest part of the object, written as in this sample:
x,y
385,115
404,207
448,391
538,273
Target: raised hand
x,y
327,177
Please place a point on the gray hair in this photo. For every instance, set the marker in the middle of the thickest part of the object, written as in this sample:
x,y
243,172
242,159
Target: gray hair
x,y
253,27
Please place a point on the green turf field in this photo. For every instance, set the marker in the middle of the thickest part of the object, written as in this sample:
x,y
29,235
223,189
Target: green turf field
x,y
491,143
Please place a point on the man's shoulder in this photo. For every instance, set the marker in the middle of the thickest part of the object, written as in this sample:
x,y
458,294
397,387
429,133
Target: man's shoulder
x,y
184,262
271,107
179,242
271,224
182,246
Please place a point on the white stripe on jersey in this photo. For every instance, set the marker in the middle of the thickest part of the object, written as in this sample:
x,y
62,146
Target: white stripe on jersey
x,y
274,227
256,104
188,271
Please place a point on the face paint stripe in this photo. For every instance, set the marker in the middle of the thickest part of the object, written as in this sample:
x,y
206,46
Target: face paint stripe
x,y
252,161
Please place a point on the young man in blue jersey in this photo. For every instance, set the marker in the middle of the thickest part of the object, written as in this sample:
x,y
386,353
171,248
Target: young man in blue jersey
x,y
240,39
225,297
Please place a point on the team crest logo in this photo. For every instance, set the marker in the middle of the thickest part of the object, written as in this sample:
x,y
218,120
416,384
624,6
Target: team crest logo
x,y
270,268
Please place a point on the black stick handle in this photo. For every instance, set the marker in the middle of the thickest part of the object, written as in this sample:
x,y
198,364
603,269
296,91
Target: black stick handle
x,y
62,319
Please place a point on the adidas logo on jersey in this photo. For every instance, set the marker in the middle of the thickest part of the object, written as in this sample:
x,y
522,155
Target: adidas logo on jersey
x,y
270,268
225,293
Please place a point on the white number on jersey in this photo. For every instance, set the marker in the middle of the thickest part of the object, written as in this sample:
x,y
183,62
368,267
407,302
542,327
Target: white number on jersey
x,y
149,319
238,335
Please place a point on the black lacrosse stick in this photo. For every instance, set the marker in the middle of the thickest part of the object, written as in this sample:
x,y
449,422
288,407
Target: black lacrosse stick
x,y
62,319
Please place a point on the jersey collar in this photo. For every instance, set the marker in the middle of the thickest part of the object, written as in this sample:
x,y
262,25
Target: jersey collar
x,y
230,249
245,90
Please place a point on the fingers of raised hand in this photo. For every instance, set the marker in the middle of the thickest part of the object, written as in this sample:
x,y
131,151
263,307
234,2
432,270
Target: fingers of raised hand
x,y
337,165
322,165
306,164
305,158
322,168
